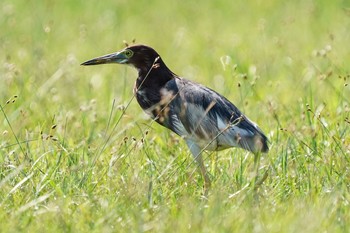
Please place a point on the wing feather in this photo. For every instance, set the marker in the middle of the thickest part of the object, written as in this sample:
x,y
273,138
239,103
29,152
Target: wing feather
x,y
204,116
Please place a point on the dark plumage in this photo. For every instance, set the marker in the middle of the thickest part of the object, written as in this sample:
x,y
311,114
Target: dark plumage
x,y
205,119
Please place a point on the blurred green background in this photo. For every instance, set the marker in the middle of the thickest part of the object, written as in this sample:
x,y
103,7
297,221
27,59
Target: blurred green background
x,y
68,152
276,41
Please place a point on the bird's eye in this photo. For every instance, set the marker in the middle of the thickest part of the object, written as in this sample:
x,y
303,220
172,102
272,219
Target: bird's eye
x,y
128,53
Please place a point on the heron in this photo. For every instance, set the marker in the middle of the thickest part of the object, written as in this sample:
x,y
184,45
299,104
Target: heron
x,y
205,119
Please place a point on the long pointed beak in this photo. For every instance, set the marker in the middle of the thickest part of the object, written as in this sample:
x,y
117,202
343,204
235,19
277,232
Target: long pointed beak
x,y
117,57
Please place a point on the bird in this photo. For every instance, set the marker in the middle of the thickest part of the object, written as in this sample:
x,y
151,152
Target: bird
x,y
205,119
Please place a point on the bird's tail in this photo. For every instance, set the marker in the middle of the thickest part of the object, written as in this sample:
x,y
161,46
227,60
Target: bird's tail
x,y
256,143
251,137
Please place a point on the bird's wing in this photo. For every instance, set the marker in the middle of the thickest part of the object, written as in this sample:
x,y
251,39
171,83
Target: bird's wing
x,y
204,116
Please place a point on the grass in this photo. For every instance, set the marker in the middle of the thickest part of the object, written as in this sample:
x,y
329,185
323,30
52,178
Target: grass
x,y
78,155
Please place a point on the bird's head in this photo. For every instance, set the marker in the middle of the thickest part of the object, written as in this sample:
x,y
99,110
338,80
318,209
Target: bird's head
x,y
141,57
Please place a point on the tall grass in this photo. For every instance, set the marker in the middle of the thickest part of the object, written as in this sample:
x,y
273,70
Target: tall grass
x,y
78,155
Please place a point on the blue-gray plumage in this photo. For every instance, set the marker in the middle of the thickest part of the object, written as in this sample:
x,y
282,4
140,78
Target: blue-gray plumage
x,y
205,119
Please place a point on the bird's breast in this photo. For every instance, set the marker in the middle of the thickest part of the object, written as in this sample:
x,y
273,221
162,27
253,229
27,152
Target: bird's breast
x,y
146,98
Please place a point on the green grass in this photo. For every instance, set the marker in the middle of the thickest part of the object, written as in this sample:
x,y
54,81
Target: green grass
x,y
78,155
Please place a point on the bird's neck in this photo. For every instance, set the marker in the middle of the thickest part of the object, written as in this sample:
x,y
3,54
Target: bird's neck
x,y
149,85
154,77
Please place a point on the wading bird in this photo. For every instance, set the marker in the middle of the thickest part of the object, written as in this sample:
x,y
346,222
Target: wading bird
x,y
203,118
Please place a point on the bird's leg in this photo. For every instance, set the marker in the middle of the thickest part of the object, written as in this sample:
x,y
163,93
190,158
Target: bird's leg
x,y
196,152
207,182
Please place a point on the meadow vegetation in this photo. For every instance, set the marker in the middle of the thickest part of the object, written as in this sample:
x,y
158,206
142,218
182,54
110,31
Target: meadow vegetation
x,y
77,154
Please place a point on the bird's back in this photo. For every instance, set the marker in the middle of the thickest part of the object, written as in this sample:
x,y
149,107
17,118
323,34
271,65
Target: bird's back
x,y
208,119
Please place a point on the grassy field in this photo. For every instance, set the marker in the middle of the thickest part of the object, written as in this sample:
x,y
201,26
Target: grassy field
x,y
77,154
